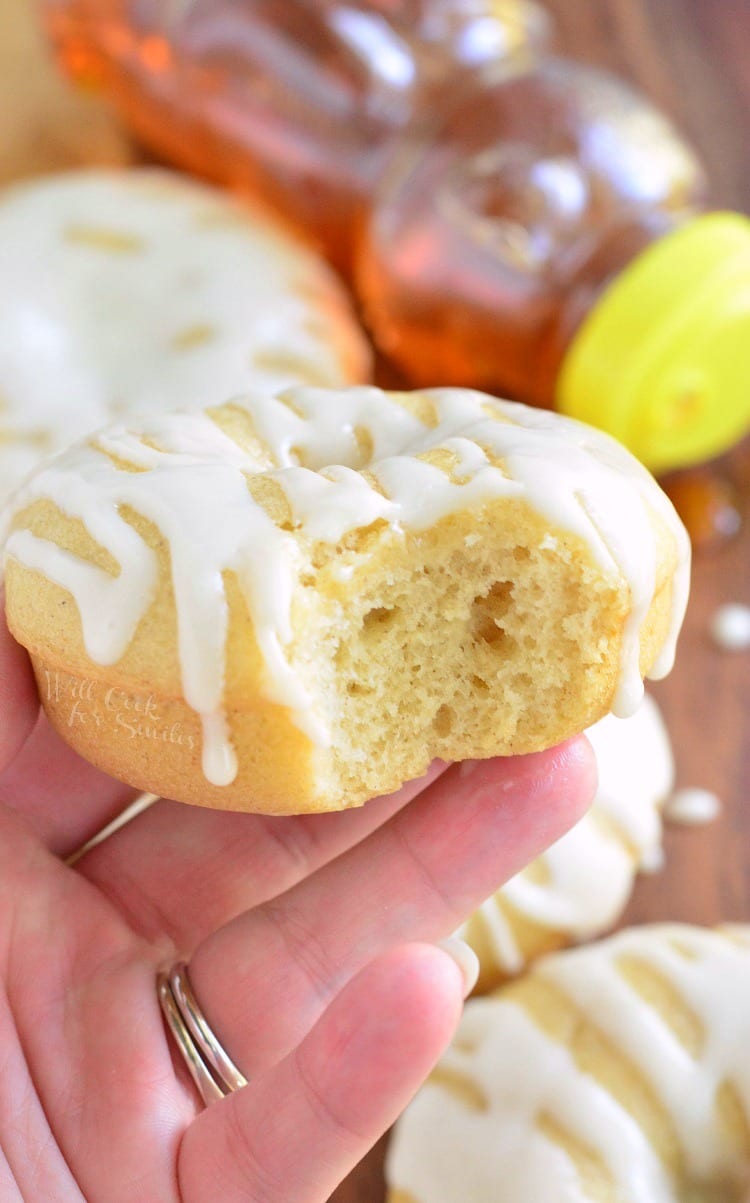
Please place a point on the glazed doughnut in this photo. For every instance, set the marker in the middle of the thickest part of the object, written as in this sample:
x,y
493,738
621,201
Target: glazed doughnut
x,y
131,291
618,1073
310,596
579,887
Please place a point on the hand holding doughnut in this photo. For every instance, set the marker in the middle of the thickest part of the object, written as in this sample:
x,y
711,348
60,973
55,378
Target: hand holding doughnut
x,y
311,944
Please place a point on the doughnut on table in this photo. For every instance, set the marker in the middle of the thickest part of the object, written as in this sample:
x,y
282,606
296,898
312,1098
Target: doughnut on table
x,y
690,57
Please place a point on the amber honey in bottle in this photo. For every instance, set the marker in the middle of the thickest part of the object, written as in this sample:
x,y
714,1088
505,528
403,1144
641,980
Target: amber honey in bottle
x,y
295,100
548,238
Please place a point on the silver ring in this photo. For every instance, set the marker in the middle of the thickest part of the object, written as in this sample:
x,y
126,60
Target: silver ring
x,y
211,1068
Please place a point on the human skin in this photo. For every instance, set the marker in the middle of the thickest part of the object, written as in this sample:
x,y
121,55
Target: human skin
x,y
312,943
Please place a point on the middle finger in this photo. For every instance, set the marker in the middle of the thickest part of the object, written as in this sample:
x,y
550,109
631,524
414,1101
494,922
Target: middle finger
x,y
183,871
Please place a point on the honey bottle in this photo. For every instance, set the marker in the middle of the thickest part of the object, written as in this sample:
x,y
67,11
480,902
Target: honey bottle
x,y
550,239
295,100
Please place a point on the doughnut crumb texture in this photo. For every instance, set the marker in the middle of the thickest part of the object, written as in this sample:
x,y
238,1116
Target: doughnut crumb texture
x,y
293,603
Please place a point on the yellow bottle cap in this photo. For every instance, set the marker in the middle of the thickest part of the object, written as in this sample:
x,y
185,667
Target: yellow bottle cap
x,y
662,361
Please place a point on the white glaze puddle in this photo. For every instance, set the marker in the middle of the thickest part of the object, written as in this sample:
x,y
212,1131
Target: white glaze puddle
x,y
692,807
730,627
194,489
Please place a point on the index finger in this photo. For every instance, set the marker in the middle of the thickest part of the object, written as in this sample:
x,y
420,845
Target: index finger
x,y
417,877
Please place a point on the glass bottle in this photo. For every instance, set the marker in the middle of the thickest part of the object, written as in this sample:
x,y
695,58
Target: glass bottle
x,y
549,238
298,100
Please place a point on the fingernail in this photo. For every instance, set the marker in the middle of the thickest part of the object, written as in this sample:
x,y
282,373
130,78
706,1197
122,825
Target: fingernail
x,y
465,958
467,767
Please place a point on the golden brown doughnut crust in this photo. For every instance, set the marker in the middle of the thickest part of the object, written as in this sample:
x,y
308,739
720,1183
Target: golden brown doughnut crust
x,y
489,633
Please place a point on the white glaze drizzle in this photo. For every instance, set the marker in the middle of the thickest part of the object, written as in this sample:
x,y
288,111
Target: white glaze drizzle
x,y
140,291
444,1150
588,874
219,758
193,487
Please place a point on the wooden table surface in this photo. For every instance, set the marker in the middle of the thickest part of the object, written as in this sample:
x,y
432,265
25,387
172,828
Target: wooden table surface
x,y
693,58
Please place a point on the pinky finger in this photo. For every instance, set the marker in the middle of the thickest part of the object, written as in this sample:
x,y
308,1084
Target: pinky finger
x,y
298,1129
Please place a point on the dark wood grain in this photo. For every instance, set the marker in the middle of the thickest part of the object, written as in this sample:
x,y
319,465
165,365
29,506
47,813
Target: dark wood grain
x,y
693,59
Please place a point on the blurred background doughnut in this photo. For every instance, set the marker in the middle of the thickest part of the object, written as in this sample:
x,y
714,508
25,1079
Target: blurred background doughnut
x,y
580,886
613,1072
136,291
